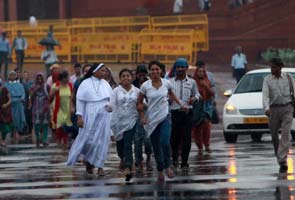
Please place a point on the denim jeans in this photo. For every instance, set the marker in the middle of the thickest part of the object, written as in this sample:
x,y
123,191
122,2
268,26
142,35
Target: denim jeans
x,y
124,148
160,139
140,139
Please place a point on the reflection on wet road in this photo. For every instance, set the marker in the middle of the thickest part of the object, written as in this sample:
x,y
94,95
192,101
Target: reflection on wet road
x,y
244,170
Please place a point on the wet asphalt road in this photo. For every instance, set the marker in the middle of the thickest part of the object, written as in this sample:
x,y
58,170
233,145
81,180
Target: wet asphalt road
x,y
245,170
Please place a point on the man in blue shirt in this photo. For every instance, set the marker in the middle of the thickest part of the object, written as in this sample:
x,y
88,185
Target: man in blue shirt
x,y
4,53
239,63
20,45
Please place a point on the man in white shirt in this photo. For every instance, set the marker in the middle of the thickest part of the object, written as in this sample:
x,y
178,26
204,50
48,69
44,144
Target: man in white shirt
x,y
277,103
20,45
77,73
186,90
239,63
178,7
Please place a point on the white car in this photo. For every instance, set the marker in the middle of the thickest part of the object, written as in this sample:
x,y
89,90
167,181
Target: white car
x,y
243,112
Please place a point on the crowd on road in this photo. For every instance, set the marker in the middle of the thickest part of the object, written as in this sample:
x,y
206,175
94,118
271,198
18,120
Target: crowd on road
x,y
148,108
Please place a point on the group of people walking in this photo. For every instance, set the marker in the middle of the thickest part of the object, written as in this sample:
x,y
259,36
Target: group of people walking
x,y
151,110
155,110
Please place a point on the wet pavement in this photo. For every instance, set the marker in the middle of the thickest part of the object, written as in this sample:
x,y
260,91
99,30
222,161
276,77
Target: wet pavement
x,y
245,170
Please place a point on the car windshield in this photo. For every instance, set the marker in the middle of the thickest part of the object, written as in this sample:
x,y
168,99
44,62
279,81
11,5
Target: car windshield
x,y
252,83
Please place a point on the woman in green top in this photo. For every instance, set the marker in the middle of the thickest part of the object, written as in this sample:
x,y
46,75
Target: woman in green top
x,y
61,92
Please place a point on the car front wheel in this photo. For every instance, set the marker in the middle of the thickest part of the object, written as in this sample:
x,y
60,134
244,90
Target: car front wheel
x,y
230,137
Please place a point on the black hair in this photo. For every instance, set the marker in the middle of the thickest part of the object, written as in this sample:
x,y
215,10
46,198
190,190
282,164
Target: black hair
x,y
141,69
40,75
277,62
125,70
84,67
77,65
63,74
200,63
4,34
155,62
163,67
111,80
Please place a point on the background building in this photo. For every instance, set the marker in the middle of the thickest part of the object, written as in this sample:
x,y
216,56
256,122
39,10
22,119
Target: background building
x,y
255,26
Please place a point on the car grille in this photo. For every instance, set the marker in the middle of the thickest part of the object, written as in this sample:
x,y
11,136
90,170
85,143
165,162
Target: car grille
x,y
251,111
248,126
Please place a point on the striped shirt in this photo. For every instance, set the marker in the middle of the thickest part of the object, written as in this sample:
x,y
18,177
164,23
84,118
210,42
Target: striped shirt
x,y
276,90
184,90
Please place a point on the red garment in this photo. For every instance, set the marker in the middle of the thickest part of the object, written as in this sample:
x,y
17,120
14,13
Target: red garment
x,y
201,134
54,77
61,136
203,90
5,113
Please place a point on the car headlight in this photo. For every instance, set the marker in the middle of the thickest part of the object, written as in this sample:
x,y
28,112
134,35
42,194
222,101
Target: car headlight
x,y
230,109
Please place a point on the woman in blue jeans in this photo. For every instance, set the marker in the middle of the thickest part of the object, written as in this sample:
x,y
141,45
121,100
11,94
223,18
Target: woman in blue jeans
x,y
124,118
156,120
140,138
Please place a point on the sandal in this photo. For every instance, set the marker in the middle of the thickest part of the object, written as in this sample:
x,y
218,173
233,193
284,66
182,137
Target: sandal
x,y
161,177
89,167
208,150
128,175
100,172
170,173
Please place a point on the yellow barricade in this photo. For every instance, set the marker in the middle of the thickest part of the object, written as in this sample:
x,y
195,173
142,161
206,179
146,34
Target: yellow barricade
x,y
105,47
166,45
118,39
110,24
198,23
179,21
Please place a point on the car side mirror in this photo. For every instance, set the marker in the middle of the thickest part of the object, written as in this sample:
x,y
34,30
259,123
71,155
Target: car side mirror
x,y
228,93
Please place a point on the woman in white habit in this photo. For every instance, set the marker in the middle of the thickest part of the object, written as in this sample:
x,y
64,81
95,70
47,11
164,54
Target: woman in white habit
x,y
93,111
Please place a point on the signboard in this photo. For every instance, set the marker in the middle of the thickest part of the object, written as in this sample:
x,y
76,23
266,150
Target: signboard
x,y
105,48
155,48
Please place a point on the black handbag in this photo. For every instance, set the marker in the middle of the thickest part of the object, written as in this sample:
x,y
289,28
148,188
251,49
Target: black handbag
x,y
291,92
215,115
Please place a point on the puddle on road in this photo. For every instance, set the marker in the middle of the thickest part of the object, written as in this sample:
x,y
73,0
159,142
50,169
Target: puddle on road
x,y
35,172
